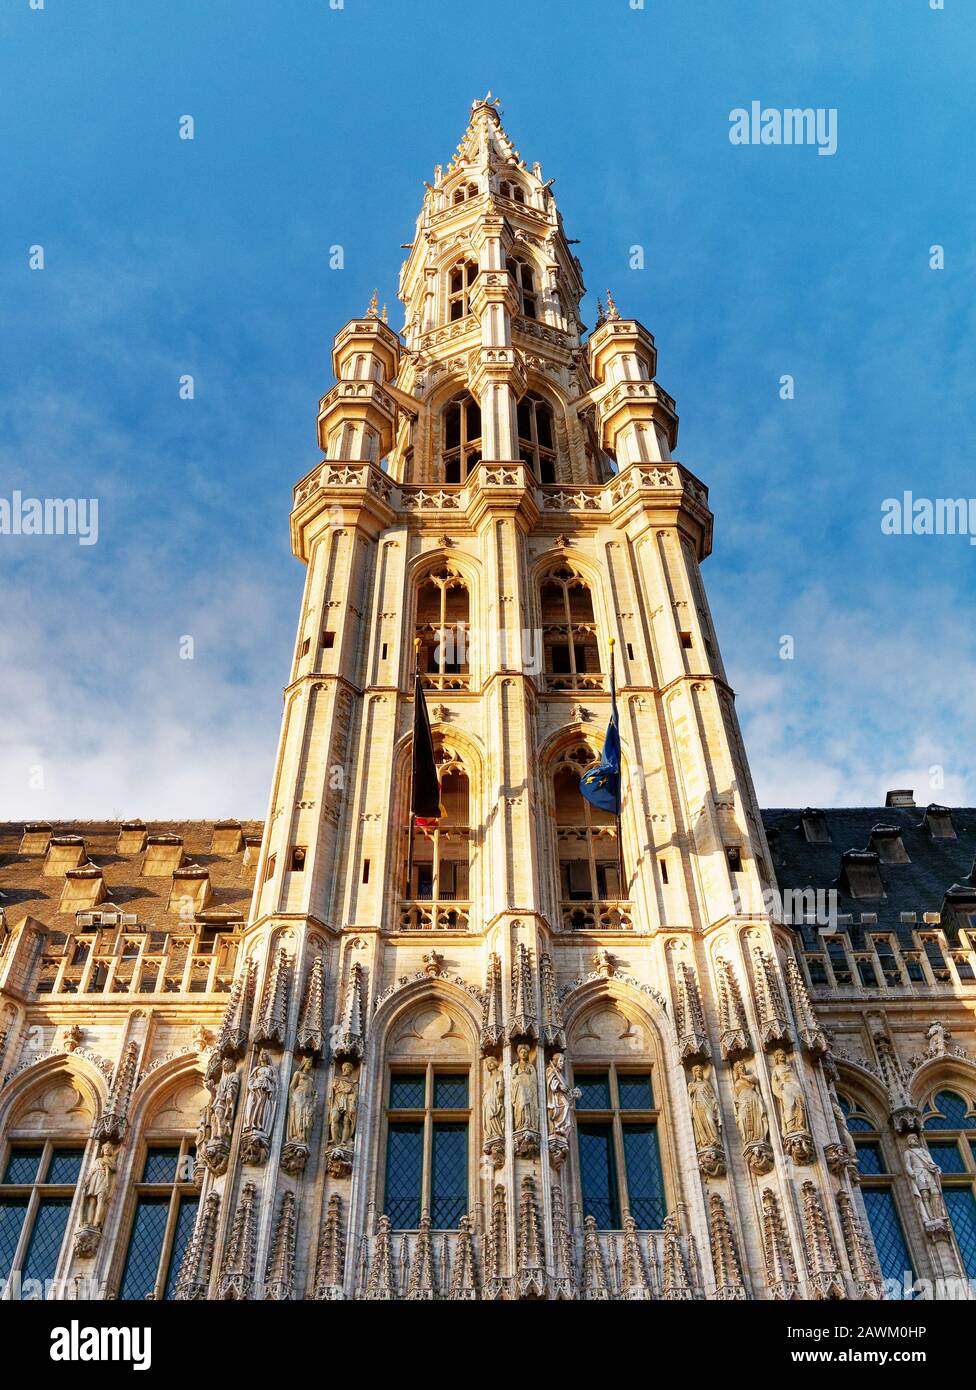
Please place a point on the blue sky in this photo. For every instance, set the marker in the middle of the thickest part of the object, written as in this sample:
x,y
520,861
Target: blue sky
x,y
316,126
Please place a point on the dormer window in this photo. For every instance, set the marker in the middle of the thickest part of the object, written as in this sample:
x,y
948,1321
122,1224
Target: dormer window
x,y
524,282
459,282
860,874
814,826
886,839
938,822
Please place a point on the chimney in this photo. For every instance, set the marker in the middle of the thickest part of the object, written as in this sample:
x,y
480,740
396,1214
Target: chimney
x,y
900,798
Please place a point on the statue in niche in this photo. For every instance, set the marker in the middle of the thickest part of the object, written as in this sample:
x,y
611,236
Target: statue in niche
x,y
750,1113
705,1117
204,1129
525,1094
788,1091
98,1186
301,1103
343,1105
225,1100
842,1129
262,1093
559,1098
925,1177
493,1100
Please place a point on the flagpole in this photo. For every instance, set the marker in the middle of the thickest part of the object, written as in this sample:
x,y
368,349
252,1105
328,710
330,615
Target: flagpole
x,y
620,844
413,760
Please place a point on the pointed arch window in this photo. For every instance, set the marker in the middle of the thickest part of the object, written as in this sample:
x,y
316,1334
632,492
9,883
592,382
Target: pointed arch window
x,y
523,278
586,839
165,1212
572,660
39,1181
443,614
950,1126
877,1189
460,282
464,192
536,437
427,1117
619,1157
508,188
461,449
439,892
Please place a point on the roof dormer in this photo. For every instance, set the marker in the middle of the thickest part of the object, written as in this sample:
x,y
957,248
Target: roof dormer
x,y
938,822
132,837
84,888
860,873
63,852
900,798
813,823
164,855
227,837
191,890
36,837
886,839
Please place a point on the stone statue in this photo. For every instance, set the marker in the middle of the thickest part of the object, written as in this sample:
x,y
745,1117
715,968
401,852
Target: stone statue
x,y
750,1113
842,1130
525,1096
225,1100
789,1093
98,1186
262,1093
925,1177
204,1129
559,1098
705,1118
343,1105
301,1103
493,1100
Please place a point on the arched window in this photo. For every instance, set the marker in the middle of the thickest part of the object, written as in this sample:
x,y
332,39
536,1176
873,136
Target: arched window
x,y
617,1119
524,282
586,838
460,280
427,1108
463,192
508,188
535,436
877,1189
461,449
443,613
953,1117
572,659
438,896
39,1181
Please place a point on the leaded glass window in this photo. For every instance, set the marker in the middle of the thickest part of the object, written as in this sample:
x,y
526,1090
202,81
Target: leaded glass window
x,y
427,1157
878,1191
952,1116
35,1201
162,1222
619,1157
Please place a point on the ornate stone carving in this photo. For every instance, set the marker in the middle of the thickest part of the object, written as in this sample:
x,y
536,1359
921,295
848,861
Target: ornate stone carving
x,y
350,1032
492,1028
525,1104
237,1273
111,1124
301,1117
925,1180
259,1110
531,1273
794,1125
596,1286
677,1284
553,1032
781,1278
221,1117
750,1119
689,1016
825,1273
867,1277
905,1115
523,1024
279,1277
559,1105
812,1036
274,1011
493,1112
194,1276
706,1122
498,1279
331,1255
774,1027
232,1037
734,1037
841,1157
343,1115
729,1284
310,1036
95,1196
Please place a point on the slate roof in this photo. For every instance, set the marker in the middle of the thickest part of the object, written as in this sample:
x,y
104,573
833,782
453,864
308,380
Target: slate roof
x,y
919,886
26,891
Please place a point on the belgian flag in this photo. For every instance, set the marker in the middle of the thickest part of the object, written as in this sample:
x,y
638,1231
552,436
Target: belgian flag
x,y
426,808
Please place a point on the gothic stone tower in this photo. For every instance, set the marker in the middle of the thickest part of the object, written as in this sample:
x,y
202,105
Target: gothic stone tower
x,y
532,1077
528,1059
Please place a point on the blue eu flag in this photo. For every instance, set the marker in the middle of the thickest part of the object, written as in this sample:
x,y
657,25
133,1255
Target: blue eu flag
x,y
601,785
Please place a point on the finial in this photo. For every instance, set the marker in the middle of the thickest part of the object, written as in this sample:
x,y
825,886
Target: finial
x,y
383,315
600,315
371,311
612,642
417,644
612,311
